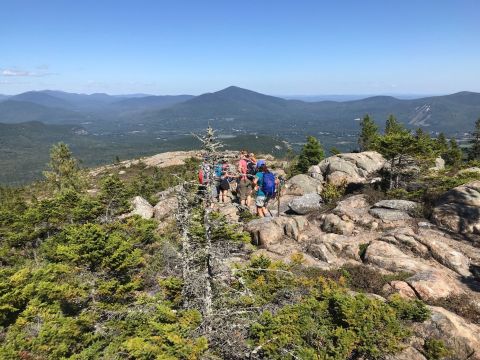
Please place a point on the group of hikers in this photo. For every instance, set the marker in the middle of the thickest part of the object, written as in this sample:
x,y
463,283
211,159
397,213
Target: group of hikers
x,y
250,177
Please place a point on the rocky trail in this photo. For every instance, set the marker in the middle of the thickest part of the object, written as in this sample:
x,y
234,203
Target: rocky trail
x,y
439,258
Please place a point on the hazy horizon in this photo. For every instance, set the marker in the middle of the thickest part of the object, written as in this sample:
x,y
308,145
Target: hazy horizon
x,y
305,97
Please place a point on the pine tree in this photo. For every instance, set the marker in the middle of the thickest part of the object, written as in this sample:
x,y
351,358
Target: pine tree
x,y
425,147
393,126
454,155
474,150
441,143
334,151
65,172
114,196
368,133
311,154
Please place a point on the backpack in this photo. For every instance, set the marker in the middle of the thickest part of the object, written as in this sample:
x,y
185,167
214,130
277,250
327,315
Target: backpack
x,y
268,184
251,168
203,174
218,170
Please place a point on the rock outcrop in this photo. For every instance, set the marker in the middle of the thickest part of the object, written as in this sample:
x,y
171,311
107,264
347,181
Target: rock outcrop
x,y
142,208
434,285
306,203
269,231
458,210
315,172
303,184
159,160
165,208
462,337
394,210
351,167
230,211
389,257
334,224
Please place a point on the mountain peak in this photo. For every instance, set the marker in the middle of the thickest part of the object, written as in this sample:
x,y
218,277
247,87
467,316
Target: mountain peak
x,y
235,90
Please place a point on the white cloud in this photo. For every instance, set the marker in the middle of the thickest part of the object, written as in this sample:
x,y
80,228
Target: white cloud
x,y
12,72
22,73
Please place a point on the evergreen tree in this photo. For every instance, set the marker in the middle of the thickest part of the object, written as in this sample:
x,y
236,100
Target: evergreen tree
x,y
474,150
368,133
441,143
405,151
311,154
64,172
114,196
454,155
393,126
334,151
426,148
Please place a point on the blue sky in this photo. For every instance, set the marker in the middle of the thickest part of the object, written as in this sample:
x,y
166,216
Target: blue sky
x,y
275,47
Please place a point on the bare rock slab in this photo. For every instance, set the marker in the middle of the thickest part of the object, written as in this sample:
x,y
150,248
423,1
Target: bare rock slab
x,y
351,167
434,285
458,210
303,184
142,208
462,337
389,257
306,203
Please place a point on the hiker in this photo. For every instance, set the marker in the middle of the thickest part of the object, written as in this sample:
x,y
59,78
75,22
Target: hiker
x,y
217,177
225,180
203,173
251,165
244,190
242,163
265,184
203,179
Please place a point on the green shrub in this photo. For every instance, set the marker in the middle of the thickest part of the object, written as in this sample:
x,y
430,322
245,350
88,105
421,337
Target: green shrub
x,y
414,310
331,193
334,326
96,248
435,349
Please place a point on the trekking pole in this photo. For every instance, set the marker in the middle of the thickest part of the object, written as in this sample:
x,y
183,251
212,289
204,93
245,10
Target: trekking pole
x,y
280,186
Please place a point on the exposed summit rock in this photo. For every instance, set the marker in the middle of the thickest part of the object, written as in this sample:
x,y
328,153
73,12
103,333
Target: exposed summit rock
x,y
402,205
433,285
142,208
268,231
458,210
462,337
389,257
306,204
389,214
303,184
334,224
351,167
393,210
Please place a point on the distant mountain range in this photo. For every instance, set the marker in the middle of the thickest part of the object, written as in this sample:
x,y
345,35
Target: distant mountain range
x,y
99,127
238,108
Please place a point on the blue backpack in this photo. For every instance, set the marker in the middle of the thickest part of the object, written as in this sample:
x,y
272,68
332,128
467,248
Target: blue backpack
x,y
268,184
218,170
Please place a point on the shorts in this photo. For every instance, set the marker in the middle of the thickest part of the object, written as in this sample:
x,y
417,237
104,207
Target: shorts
x,y
243,193
261,201
224,185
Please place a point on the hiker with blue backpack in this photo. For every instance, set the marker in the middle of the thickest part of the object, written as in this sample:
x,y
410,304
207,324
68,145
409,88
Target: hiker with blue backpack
x,y
265,185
